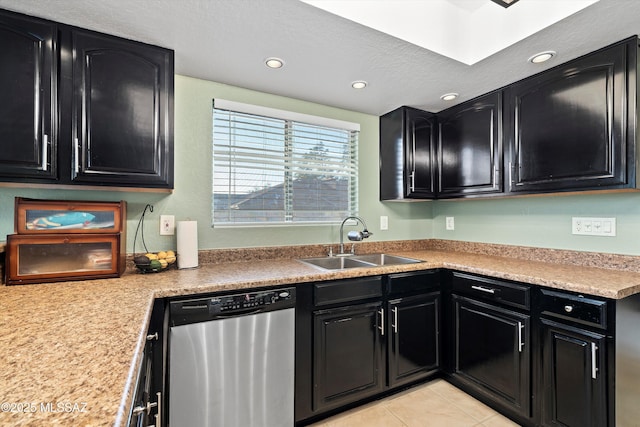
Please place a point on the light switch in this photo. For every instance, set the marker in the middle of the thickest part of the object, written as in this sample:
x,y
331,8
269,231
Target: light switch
x,y
384,222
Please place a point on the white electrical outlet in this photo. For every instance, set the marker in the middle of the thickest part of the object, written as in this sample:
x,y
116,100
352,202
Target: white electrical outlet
x,y
593,226
167,225
450,223
384,222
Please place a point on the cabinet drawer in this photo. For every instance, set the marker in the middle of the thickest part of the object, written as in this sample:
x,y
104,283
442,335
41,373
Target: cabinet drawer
x,y
33,216
404,283
508,293
61,257
577,308
339,291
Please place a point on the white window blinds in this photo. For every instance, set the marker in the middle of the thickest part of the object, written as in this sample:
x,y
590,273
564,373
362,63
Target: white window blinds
x,y
275,170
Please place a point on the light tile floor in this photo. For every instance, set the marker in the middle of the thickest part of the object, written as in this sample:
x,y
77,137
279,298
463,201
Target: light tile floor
x,y
435,404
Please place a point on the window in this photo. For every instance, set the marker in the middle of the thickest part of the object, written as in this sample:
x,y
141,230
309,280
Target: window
x,y
277,167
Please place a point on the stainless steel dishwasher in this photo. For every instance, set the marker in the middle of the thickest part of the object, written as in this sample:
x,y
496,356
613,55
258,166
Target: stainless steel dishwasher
x,y
231,360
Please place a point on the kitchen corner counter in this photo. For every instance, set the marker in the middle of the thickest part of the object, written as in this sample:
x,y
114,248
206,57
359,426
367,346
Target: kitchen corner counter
x,y
69,351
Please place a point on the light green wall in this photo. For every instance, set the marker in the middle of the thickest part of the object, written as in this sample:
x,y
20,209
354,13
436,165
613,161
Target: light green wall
x,y
191,198
534,221
542,221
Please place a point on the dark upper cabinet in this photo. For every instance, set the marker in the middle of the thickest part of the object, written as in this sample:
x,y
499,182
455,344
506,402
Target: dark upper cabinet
x,y
470,148
121,111
407,154
573,127
83,107
27,111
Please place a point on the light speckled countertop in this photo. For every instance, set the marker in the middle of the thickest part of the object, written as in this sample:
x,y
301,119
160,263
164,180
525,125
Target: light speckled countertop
x,y
79,343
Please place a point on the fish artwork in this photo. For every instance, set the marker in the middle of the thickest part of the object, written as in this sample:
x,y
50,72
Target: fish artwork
x,y
63,220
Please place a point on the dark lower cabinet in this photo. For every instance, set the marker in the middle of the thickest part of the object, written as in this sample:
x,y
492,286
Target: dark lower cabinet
x,y
348,354
414,337
492,352
574,376
148,409
357,339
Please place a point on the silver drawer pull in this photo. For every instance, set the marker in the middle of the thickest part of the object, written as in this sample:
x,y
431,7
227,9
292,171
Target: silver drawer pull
x,y
483,289
568,308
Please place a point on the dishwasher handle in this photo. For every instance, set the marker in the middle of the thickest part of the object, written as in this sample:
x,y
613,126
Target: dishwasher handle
x,y
239,313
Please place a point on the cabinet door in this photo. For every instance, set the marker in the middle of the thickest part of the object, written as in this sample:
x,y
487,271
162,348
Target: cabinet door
x,y
470,147
347,354
414,329
149,391
419,146
569,127
574,376
27,84
407,151
122,112
493,352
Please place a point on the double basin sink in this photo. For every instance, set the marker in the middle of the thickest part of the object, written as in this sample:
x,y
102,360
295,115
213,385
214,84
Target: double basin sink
x,y
358,261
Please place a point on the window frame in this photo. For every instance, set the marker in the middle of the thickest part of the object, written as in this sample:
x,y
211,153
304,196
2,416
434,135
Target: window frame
x,y
291,121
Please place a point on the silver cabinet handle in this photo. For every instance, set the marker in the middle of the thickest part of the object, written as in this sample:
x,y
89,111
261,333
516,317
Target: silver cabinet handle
x,y
152,337
147,408
496,177
594,367
159,414
381,327
483,289
520,342
413,158
76,150
45,150
395,320
568,308
510,174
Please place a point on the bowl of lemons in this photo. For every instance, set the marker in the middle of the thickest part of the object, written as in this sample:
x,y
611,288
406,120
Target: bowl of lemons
x,y
155,262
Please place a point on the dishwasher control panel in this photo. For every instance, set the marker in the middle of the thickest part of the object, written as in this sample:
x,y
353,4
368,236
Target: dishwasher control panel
x,y
184,311
249,300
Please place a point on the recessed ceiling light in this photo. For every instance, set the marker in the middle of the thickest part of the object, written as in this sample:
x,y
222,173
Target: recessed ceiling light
x,y
542,57
359,84
449,96
274,62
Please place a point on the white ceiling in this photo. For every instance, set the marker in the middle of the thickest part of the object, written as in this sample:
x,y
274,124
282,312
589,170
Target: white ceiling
x,y
227,41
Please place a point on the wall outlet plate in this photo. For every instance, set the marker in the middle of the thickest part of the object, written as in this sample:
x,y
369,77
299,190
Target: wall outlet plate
x,y
450,223
593,226
167,225
384,222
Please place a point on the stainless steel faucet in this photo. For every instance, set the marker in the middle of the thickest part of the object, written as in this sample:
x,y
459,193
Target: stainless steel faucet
x,y
354,236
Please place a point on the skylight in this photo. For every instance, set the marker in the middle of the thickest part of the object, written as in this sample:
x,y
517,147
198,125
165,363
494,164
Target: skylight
x,y
465,30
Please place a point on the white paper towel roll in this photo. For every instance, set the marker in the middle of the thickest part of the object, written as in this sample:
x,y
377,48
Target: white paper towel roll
x,y
187,237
